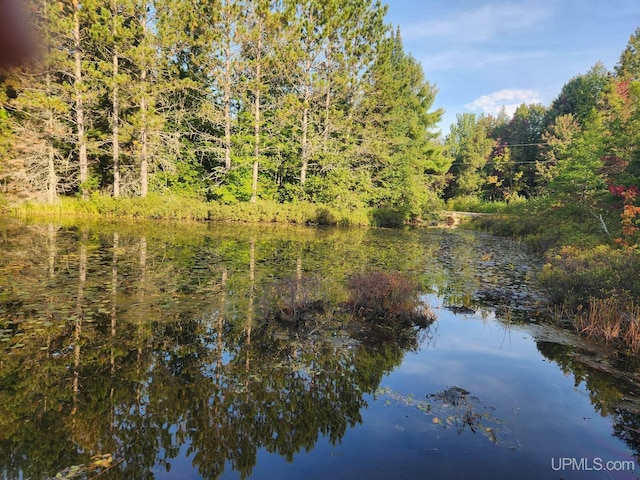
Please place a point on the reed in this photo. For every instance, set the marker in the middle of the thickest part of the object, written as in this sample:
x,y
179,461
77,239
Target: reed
x,y
611,320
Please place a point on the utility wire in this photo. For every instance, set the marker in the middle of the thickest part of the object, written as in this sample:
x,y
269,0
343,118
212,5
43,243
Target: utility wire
x,y
513,162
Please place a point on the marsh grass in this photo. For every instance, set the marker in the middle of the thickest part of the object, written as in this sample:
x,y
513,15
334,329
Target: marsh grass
x,y
611,320
386,296
171,207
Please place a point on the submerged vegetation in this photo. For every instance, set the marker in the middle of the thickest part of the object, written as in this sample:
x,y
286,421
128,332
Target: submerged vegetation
x,y
373,298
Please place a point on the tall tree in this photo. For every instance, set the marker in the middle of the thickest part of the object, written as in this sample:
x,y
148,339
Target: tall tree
x,y
558,138
40,109
579,174
523,134
78,86
580,94
469,146
628,66
398,135
259,33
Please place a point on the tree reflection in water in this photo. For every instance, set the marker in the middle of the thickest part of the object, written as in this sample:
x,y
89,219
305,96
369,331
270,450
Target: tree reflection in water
x,y
148,342
141,345
613,391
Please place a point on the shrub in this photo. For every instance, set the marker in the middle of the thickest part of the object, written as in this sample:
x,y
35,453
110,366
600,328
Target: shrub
x,y
294,300
573,276
325,216
387,217
379,296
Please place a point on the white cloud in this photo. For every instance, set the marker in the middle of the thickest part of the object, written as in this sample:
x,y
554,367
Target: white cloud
x,y
510,99
480,24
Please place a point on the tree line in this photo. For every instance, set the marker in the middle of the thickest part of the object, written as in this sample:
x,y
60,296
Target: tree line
x,y
584,143
226,100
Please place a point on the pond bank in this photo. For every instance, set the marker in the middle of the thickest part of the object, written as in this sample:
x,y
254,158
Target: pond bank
x,y
590,278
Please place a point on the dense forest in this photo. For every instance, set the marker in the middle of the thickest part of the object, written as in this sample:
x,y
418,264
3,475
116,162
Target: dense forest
x,y
287,101
586,140
228,100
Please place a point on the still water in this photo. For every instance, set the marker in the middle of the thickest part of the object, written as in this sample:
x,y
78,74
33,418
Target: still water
x,y
147,351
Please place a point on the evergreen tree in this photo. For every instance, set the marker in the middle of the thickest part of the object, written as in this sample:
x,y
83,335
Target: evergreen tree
x,y
398,136
628,66
469,146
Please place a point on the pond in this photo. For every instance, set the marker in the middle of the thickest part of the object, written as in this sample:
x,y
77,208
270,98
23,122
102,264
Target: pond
x,y
146,351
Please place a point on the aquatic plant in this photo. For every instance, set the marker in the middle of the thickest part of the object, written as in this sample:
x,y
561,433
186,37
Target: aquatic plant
x,y
612,320
456,408
295,300
382,296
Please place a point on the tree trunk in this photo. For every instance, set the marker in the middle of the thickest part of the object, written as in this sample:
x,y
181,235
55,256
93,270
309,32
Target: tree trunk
x,y
144,149
77,84
227,100
305,124
144,160
52,178
115,119
305,137
256,127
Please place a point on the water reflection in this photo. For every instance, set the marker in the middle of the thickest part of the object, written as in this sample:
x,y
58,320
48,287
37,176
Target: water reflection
x,y
147,342
140,344
612,383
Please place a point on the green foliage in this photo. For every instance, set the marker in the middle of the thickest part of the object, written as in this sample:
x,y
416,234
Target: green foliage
x,y
387,217
468,145
472,203
233,101
573,276
397,134
580,95
171,207
628,66
579,174
154,206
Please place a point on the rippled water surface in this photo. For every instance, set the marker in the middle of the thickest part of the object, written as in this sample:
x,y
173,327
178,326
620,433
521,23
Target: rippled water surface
x,y
149,351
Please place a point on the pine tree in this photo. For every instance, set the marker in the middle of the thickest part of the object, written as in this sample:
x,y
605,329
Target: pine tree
x,y
398,135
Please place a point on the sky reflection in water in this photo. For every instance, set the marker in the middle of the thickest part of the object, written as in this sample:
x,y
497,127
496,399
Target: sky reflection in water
x,y
149,343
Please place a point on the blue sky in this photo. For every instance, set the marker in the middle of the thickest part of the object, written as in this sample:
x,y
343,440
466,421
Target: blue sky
x,y
484,54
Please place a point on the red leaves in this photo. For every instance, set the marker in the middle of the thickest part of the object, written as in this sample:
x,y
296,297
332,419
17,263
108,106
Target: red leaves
x,y
629,212
624,192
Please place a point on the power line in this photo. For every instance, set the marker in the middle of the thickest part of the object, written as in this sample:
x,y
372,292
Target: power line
x,y
523,144
520,162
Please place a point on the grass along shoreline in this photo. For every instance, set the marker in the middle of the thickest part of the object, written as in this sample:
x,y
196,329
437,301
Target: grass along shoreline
x,y
176,208
591,266
169,207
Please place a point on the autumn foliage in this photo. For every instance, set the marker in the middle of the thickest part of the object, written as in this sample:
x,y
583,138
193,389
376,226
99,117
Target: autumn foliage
x,y
630,213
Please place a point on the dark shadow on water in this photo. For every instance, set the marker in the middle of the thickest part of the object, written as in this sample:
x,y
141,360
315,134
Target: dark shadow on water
x,y
150,343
